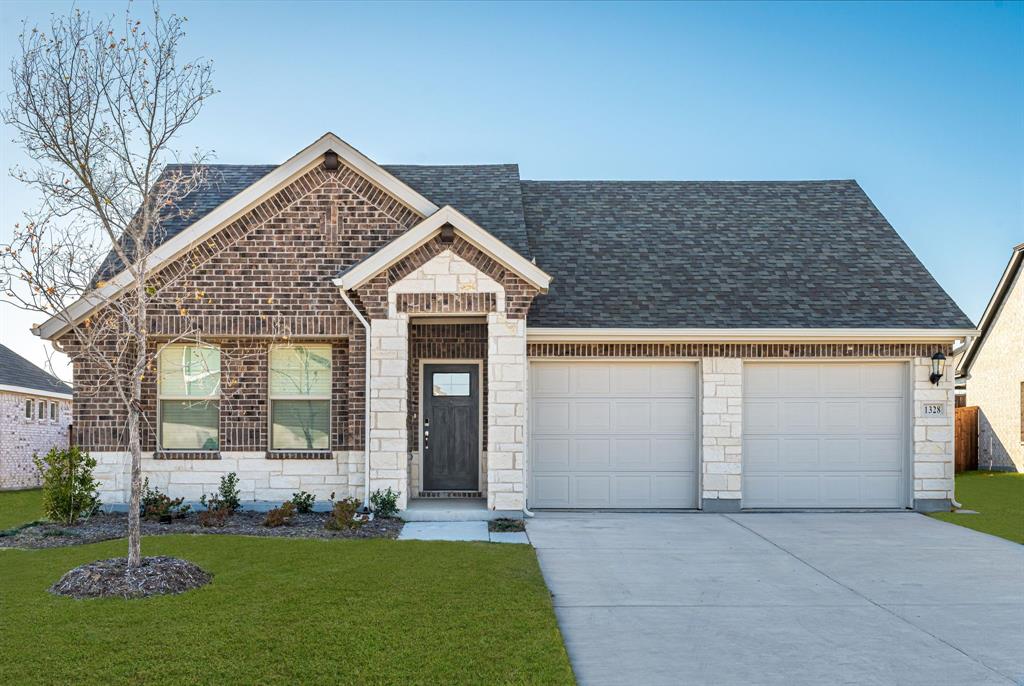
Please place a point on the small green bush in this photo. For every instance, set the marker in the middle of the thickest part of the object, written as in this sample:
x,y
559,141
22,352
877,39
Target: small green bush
x,y
280,516
343,515
227,497
303,502
159,507
385,503
69,491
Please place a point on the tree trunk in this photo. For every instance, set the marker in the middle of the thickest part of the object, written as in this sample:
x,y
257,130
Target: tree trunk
x,y
134,430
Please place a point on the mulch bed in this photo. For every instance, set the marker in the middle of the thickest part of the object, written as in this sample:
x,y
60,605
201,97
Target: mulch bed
x,y
506,525
106,526
110,579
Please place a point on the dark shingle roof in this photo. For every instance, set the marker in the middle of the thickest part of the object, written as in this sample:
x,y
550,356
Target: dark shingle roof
x,y
489,194
222,182
725,254
676,254
15,370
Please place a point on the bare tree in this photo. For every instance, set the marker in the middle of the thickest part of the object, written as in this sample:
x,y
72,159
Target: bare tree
x,y
97,106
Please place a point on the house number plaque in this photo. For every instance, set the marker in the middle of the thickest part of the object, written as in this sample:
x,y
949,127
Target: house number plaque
x,y
935,409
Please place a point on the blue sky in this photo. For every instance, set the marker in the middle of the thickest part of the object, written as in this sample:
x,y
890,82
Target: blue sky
x,y
922,103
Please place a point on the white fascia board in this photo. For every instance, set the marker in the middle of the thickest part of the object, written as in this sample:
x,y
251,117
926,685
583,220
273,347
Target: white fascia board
x,y
612,335
426,230
4,388
230,210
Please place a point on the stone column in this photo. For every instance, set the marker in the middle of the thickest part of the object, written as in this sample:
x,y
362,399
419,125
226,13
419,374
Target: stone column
x,y
389,436
934,416
506,412
721,433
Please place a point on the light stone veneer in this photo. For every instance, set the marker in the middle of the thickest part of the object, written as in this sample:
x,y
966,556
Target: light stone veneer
x,y
259,479
506,412
721,431
933,436
446,272
389,406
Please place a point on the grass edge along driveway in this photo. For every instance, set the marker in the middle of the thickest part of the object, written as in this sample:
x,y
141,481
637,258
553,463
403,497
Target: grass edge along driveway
x,y
998,498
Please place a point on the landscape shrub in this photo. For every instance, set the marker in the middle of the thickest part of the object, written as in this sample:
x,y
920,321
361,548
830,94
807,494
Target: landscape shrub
x,y
69,491
280,516
303,502
343,515
385,503
214,517
228,497
160,507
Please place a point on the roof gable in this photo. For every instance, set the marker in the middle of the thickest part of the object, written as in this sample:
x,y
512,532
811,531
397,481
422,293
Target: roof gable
x,y
1010,280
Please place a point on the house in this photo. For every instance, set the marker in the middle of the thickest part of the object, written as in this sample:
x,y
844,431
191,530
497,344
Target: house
x,y
35,411
992,367
536,344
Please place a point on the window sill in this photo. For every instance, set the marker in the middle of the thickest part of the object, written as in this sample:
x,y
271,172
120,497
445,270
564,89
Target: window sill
x,y
299,455
186,455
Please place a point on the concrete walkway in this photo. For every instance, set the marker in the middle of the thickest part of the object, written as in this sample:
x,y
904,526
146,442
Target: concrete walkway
x,y
783,599
457,531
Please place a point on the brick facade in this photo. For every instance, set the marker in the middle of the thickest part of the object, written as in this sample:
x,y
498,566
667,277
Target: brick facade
x,y
22,437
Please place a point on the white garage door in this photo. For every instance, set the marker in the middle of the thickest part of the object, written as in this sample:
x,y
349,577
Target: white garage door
x,y
824,435
613,434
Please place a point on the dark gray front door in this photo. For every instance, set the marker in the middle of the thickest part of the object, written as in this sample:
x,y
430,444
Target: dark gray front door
x,y
451,427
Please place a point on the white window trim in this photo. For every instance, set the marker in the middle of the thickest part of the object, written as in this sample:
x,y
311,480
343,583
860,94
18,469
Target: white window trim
x,y
329,397
160,398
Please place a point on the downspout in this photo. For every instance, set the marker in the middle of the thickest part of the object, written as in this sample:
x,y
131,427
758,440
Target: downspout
x,y
366,419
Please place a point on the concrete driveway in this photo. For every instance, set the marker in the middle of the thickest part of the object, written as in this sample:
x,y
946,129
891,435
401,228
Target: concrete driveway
x,y
783,599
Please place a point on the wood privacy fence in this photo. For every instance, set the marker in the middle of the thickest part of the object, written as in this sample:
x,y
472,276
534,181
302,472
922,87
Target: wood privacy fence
x,y
965,437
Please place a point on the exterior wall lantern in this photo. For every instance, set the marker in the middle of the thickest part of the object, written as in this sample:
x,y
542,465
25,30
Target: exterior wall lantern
x,y
938,367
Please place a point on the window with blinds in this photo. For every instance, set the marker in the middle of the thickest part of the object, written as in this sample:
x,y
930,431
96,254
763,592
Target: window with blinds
x,y
300,397
189,397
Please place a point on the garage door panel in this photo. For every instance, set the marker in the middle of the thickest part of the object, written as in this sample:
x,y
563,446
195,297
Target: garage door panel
x,y
623,435
760,417
550,380
799,416
592,415
592,490
591,453
674,416
550,454
839,439
551,416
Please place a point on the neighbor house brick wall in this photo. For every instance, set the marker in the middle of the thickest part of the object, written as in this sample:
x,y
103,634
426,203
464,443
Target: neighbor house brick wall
x,y
996,385
21,437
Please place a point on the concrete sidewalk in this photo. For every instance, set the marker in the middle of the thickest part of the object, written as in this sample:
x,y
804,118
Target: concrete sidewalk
x,y
783,599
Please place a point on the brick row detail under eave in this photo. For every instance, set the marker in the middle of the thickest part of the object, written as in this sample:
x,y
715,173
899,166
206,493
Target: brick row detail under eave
x,y
740,350
446,303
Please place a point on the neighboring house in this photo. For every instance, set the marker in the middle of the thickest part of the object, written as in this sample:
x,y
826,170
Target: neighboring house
x,y
992,367
35,411
542,344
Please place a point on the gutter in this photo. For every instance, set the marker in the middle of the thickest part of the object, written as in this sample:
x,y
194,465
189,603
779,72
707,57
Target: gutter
x,y
365,510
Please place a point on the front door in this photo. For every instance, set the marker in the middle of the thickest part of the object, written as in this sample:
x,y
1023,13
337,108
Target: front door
x,y
451,427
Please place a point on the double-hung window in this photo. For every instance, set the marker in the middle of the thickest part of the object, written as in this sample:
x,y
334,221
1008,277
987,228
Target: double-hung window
x,y
42,410
53,412
29,406
300,397
189,397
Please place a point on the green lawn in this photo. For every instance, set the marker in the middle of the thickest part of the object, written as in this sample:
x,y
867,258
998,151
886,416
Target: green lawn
x,y
998,498
284,611
20,507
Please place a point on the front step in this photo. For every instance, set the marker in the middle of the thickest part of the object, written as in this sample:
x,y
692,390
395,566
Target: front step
x,y
454,510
